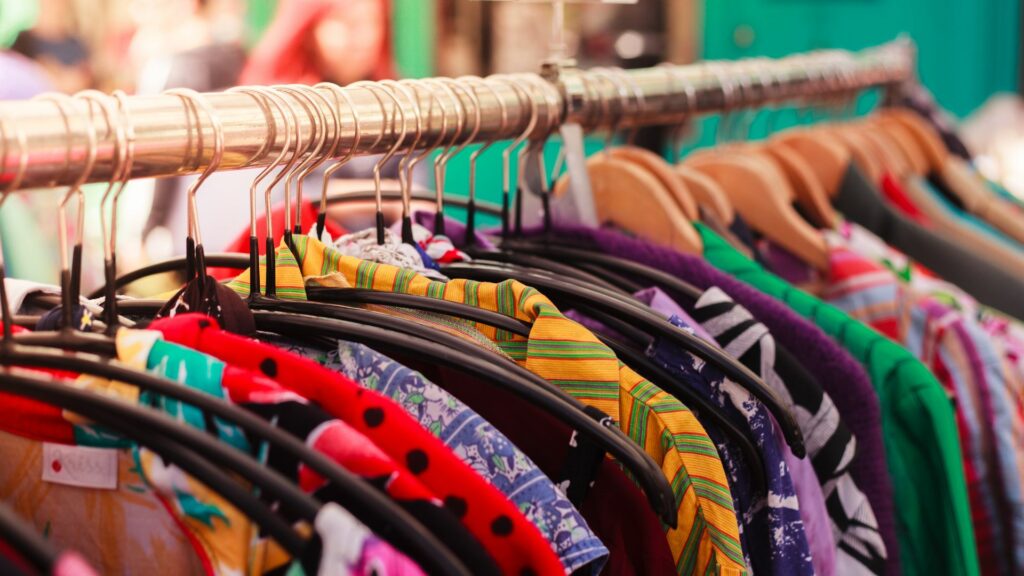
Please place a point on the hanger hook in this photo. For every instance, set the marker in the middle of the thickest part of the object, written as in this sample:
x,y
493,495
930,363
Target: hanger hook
x,y
475,155
118,160
441,159
387,155
337,91
313,158
196,99
442,132
405,184
71,275
304,151
524,99
458,86
107,106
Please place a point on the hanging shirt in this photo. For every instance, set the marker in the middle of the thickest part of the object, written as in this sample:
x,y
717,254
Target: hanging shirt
x,y
861,486
858,547
508,536
476,442
973,341
325,434
707,536
936,535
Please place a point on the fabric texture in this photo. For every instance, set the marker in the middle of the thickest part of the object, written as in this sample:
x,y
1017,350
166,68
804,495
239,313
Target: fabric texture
x,y
921,437
505,533
706,537
476,442
842,378
986,280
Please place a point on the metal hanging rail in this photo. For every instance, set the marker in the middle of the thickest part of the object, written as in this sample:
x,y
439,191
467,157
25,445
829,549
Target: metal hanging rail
x,y
172,138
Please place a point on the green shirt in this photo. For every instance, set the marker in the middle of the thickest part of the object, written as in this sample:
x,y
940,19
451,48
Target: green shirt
x,y
933,517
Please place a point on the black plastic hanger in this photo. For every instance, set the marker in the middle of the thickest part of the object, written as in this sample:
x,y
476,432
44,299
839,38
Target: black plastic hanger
x,y
127,419
503,373
374,509
29,544
572,295
701,406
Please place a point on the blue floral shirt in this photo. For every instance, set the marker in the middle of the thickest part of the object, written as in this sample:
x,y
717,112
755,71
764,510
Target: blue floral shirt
x,y
477,443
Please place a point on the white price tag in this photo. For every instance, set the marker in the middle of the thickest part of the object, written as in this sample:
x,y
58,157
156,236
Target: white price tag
x,y
80,466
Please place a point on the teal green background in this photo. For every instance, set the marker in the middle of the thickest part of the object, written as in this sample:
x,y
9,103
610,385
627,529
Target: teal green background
x,y
968,49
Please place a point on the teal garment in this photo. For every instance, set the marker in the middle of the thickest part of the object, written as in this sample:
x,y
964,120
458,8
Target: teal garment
x,y
933,516
969,219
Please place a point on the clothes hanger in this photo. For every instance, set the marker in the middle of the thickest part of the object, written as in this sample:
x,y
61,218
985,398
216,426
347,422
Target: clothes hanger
x,y
470,238
492,256
169,438
863,154
902,140
66,337
408,337
328,132
195,101
28,544
708,194
636,314
646,159
649,211
815,162
500,373
760,193
373,508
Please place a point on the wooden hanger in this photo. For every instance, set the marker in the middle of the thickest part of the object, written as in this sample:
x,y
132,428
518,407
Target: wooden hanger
x,y
661,170
827,159
759,191
811,193
632,198
904,140
928,139
891,156
863,154
708,193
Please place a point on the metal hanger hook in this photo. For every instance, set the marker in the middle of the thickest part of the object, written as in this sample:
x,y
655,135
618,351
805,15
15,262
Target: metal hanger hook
x,y
194,98
398,114
114,125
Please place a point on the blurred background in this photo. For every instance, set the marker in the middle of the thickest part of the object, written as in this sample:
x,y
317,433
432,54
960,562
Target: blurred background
x,y
969,50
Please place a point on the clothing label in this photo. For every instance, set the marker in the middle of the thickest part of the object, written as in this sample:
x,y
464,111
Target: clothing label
x,y
80,466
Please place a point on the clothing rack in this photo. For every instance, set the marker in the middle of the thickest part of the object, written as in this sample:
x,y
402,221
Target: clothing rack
x,y
168,140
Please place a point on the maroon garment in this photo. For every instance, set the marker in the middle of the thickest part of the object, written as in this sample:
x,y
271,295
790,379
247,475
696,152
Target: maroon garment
x,y
616,510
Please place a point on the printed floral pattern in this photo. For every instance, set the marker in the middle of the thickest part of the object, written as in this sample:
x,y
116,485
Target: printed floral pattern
x,y
772,530
475,442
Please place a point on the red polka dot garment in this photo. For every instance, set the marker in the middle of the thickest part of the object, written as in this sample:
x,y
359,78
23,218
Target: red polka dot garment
x,y
517,546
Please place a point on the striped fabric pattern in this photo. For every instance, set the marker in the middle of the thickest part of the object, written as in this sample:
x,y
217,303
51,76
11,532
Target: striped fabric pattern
x,y
831,447
706,539
962,358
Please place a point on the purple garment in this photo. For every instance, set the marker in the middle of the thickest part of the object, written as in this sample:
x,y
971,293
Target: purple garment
x,y
842,377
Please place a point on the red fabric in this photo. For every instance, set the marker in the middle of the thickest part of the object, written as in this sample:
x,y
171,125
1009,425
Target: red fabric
x,y
284,54
894,193
33,419
615,509
334,439
516,545
241,242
